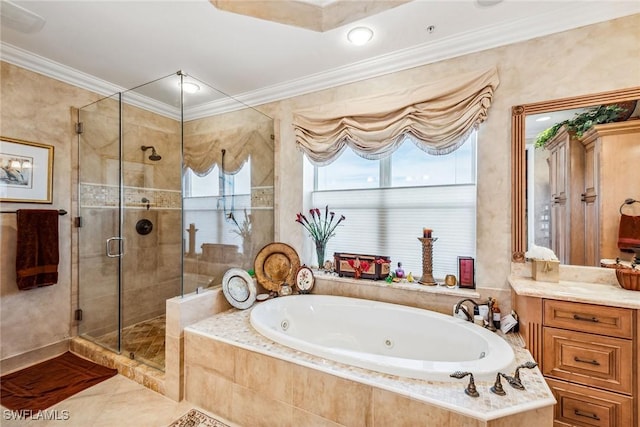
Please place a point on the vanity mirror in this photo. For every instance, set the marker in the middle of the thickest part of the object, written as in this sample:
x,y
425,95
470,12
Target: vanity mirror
x,y
580,211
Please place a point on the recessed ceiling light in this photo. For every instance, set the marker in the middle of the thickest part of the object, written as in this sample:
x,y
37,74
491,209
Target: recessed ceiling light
x,y
360,35
543,119
189,87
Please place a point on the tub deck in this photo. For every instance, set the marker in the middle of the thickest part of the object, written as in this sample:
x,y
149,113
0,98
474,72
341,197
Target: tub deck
x,y
233,327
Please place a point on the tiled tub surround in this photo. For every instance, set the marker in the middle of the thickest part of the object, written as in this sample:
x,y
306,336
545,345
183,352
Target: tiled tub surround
x,y
246,378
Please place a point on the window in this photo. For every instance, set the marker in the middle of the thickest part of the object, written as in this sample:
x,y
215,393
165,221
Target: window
x,y
209,185
210,198
388,202
348,171
202,186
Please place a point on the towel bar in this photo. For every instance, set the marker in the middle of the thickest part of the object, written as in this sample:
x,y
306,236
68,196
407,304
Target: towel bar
x,y
60,212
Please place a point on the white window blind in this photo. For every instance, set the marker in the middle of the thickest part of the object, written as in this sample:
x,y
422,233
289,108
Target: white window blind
x,y
388,221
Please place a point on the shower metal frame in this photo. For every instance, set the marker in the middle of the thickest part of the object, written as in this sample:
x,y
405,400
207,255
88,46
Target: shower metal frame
x,y
120,239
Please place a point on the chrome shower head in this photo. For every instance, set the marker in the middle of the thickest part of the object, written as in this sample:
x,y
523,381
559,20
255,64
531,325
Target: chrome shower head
x,y
154,156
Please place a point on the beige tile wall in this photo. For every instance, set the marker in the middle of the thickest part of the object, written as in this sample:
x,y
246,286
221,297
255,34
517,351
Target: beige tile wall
x,y
257,390
182,312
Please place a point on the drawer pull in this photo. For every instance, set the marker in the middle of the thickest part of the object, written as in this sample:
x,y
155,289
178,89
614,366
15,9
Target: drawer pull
x,y
591,362
586,319
586,414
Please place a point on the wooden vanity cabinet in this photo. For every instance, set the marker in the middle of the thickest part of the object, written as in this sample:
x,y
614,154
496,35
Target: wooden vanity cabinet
x,y
588,354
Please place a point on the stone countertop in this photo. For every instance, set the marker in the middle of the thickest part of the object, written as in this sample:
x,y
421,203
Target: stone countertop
x,y
233,327
592,293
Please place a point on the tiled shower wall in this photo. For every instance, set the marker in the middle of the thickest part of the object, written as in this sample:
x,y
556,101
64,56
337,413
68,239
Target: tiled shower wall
x,y
151,264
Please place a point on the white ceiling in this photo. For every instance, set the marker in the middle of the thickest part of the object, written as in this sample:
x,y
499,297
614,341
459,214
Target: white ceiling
x,y
108,46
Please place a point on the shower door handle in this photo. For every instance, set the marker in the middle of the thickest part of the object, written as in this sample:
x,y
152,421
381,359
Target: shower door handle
x,y
120,252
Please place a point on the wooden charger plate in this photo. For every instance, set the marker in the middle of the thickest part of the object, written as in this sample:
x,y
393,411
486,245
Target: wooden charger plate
x,y
275,264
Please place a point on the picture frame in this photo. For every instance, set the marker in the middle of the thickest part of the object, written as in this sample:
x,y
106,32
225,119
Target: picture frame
x,y
466,272
26,171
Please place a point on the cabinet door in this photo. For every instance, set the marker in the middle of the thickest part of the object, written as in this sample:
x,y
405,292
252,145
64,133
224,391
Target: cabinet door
x,y
583,406
559,227
598,319
589,359
590,200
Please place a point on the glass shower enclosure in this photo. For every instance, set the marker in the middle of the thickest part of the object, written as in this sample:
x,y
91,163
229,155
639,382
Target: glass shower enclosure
x,y
146,233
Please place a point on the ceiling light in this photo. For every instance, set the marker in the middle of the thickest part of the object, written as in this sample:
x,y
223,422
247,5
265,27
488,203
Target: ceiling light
x,y
190,87
360,35
543,119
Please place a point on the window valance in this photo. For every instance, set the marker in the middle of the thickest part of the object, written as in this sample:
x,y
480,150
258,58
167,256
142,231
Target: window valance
x,y
438,117
202,154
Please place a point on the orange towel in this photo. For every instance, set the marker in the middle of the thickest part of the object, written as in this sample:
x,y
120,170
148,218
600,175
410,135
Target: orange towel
x,y
629,233
37,254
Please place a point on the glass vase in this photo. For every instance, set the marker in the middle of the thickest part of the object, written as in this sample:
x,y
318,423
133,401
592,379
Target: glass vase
x,y
320,248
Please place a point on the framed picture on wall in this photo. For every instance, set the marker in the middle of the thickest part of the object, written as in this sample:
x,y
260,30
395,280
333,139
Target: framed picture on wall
x,y
466,272
26,171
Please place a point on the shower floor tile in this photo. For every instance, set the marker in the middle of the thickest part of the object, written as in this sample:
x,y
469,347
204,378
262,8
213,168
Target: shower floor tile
x,y
144,339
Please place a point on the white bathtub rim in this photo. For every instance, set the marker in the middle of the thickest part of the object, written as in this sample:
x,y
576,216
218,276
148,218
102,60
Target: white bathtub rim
x,y
345,373
481,368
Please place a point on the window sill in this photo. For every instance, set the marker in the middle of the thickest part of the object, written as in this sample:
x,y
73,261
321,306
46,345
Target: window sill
x,y
405,286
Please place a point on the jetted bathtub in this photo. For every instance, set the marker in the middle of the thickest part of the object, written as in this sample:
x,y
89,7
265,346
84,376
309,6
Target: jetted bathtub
x,y
383,337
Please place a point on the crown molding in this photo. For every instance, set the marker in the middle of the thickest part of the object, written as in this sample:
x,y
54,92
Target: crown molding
x,y
41,65
562,19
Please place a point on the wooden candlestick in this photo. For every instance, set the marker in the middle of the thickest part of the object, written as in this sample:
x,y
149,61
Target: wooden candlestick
x,y
427,260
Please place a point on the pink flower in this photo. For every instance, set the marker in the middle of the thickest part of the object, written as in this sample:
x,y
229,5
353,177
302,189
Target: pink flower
x,y
321,229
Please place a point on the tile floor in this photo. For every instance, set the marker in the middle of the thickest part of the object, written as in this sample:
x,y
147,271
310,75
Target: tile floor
x,y
117,401
145,339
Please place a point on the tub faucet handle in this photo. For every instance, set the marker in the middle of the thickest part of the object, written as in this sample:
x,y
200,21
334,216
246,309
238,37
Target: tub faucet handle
x,y
514,382
517,382
527,365
471,388
497,387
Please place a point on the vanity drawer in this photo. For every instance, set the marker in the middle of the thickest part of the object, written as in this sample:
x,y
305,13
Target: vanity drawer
x,y
588,359
582,406
597,319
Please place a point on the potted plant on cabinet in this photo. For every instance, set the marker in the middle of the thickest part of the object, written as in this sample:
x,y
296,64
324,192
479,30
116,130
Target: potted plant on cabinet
x,y
584,121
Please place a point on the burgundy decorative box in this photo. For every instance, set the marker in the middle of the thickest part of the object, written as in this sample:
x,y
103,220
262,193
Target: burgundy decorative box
x,y
373,266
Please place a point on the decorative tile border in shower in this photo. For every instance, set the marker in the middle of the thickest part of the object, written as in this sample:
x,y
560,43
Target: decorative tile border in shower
x,y
233,327
103,195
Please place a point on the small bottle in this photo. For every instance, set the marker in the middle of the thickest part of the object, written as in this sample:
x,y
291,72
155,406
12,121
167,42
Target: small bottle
x,y
495,313
483,311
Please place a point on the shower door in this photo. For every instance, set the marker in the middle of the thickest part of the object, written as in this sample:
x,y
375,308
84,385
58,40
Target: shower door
x,y
130,209
100,243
